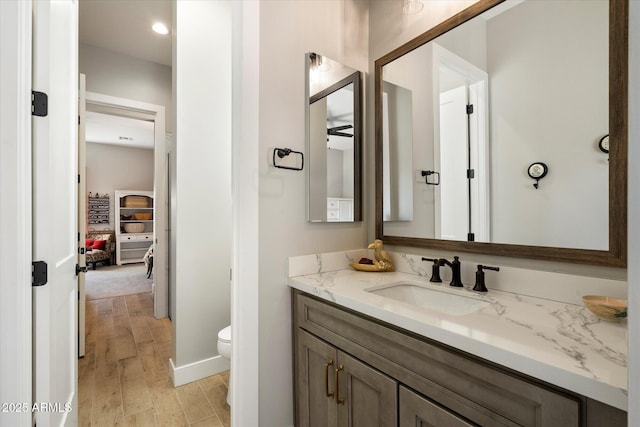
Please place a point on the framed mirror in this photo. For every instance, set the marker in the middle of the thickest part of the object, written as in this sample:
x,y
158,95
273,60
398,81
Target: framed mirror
x,y
466,109
334,129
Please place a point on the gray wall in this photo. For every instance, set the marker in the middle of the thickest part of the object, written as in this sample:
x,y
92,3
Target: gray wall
x,y
288,30
115,74
202,219
112,167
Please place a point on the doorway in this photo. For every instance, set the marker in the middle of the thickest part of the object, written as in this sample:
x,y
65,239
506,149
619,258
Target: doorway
x,y
461,148
125,109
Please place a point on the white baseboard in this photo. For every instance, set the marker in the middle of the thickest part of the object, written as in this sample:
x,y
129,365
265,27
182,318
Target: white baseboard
x,y
196,371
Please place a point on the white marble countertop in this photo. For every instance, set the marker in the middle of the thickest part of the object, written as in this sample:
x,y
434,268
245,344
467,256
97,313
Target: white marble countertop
x,y
560,343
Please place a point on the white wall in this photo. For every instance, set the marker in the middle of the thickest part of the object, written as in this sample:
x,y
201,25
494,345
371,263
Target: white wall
x,y
557,117
115,74
288,30
112,167
202,219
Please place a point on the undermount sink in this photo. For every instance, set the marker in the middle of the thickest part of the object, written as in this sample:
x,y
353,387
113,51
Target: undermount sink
x,y
417,294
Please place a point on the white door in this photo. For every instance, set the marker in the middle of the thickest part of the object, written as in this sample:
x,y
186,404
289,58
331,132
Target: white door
x,y
55,215
453,190
82,214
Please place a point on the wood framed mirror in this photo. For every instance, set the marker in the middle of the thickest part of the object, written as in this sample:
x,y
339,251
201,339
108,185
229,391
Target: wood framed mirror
x,y
529,82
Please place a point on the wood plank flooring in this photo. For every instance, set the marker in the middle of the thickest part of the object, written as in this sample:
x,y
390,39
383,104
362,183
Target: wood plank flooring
x,y
124,377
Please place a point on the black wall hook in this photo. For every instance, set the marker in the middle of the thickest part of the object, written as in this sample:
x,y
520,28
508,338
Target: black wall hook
x,y
537,171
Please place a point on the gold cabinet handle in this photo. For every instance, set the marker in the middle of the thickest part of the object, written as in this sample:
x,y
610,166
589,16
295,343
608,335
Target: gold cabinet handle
x,y
326,378
338,400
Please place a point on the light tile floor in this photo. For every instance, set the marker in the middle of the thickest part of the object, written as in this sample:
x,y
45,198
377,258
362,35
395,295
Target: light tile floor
x,y
124,376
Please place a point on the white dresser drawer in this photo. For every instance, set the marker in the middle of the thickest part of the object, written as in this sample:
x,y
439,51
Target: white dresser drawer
x,y
136,237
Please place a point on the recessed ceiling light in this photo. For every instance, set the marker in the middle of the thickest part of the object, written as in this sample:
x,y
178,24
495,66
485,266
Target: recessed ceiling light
x,y
160,28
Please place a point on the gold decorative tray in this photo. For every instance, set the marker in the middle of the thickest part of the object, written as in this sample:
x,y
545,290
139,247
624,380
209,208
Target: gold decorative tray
x,y
367,267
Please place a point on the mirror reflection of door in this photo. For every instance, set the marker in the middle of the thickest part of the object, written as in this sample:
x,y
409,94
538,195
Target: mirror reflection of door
x,y
461,201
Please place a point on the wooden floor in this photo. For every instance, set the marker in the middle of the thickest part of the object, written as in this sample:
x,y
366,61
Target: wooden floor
x,y
124,376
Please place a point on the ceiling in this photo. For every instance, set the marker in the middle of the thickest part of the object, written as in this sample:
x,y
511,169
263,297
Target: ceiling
x,y
124,26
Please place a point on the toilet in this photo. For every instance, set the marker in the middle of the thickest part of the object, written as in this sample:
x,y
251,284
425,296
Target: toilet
x,y
224,348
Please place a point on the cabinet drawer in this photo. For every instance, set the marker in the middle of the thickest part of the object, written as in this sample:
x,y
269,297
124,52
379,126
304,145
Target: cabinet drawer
x,y
333,204
477,390
333,214
136,237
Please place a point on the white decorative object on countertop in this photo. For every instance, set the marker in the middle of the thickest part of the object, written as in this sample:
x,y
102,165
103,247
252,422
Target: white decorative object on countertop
x,y
560,343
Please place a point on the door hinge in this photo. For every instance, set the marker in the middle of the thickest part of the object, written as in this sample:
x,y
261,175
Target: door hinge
x,y
38,273
80,269
471,173
470,109
39,104
471,237
78,178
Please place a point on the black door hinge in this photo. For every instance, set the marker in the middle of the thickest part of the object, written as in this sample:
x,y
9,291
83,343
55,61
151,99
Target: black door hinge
x,y
471,173
470,109
471,237
39,104
80,269
38,273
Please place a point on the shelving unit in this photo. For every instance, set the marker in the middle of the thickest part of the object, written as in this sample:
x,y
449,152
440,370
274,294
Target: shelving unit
x,y
131,243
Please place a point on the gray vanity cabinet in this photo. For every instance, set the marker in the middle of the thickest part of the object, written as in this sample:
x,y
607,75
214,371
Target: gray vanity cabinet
x,y
392,377
417,411
334,389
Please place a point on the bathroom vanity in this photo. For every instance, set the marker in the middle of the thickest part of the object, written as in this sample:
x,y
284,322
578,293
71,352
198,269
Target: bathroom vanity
x,y
363,358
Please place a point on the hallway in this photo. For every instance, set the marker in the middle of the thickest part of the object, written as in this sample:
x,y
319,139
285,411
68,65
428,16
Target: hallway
x,y
124,377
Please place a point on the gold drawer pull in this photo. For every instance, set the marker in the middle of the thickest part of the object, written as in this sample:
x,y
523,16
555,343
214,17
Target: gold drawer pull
x,y
326,378
338,400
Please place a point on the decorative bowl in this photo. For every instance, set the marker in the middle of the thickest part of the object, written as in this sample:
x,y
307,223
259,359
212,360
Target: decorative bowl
x,y
606,308
134,227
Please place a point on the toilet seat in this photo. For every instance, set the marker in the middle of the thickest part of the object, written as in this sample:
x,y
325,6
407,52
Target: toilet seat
x,y
225,335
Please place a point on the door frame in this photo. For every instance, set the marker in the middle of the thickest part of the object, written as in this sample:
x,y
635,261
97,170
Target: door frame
x,y
15,208
141,110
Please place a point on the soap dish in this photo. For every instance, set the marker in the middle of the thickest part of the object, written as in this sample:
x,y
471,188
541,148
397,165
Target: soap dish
x,y
606,308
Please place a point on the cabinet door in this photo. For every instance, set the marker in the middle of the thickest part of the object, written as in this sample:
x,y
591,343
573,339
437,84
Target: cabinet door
x,y
367,398
315,374
416,411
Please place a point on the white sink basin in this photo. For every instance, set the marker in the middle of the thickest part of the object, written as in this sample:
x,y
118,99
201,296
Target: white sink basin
x,y
450,302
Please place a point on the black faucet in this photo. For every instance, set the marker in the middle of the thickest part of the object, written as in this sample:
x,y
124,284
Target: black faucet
x,y
480,286
435,269
456,280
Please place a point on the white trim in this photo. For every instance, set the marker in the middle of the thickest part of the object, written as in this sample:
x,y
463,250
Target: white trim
x,y
245,256
131,108
15,208
197,370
